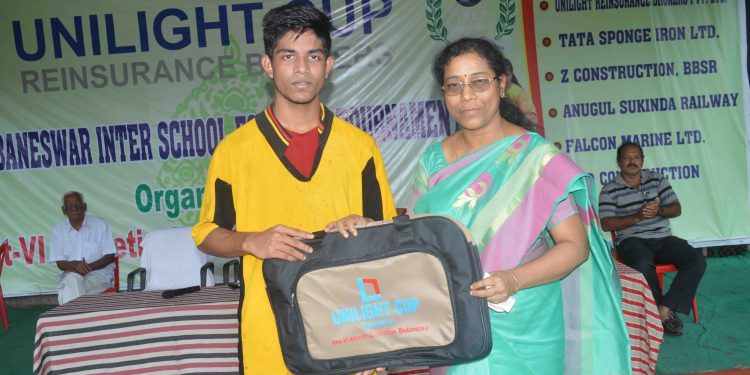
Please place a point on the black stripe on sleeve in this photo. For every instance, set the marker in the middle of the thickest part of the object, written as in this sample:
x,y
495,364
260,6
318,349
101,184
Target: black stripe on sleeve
x,y
372,201
224,215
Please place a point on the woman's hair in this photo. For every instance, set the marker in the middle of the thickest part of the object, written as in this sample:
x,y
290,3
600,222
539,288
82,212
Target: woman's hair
x,y
509,70
512,114
482,47
297,18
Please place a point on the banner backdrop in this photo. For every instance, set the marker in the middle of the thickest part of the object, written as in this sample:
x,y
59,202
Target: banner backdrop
x,y
126,101
668,76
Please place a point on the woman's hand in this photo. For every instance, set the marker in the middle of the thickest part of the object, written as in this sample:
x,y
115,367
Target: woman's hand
x,y
496,288
571,249
347,225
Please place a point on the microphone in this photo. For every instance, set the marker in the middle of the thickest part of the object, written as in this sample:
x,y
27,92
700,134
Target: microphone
x,y
178,292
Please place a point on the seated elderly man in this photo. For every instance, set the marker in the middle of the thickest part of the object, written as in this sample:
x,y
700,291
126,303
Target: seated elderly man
x,y
83,247
637,205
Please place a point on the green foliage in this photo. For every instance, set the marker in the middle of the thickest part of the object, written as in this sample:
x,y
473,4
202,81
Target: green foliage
x,y
435,25
507,18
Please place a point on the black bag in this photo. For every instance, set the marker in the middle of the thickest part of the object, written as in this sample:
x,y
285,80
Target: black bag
x,y
395,295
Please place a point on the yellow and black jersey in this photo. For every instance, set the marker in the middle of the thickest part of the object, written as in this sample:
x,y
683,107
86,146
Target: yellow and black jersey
x,y
251,186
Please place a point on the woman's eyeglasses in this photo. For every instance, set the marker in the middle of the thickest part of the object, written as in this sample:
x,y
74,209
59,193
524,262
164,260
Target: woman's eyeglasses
x,y
477,85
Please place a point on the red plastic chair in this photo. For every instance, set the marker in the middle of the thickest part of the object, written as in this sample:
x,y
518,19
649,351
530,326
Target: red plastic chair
x,y
661,269
116,285
4,254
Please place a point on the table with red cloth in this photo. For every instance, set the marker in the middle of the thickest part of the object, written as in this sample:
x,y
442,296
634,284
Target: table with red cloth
x,y
142,333
641,318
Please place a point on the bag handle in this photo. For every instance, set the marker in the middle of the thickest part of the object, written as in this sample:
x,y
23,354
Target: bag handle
x,y
402,223
317,238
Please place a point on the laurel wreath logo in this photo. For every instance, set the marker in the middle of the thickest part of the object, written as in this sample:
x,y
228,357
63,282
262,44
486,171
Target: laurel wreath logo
x,y
438,31
434,14
507,19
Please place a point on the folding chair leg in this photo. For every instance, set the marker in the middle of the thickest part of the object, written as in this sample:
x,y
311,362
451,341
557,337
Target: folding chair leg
x,y
660,276
3,312
695,311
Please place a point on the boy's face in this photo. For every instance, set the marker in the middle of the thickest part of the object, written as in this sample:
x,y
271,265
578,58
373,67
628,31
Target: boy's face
x,y
298,67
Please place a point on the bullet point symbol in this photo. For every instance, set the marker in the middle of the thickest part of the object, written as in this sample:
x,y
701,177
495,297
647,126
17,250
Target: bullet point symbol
x,y
543,5
549,76
552,113
546,41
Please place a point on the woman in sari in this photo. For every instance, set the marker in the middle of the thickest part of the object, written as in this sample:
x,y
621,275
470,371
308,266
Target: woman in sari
x,y
531,211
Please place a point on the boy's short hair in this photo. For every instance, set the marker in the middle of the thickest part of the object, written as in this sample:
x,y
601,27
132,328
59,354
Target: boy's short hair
x,y
297,18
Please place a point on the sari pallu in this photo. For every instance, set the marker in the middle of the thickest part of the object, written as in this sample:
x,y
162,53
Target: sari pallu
x,y
507,194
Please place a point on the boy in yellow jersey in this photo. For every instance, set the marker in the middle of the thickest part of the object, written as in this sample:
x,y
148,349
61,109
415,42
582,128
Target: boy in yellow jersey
x,y
294,169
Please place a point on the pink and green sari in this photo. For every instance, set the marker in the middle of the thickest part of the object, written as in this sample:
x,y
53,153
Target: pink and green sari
x,y
508,195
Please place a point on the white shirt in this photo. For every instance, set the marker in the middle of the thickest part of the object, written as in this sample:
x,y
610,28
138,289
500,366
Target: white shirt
x,y
90,243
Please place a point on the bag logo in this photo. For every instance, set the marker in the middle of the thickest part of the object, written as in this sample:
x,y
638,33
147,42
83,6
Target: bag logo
x,y
363,292
371,313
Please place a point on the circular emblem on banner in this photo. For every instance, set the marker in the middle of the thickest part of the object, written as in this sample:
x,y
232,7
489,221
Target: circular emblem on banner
x,y
438,30
468,3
